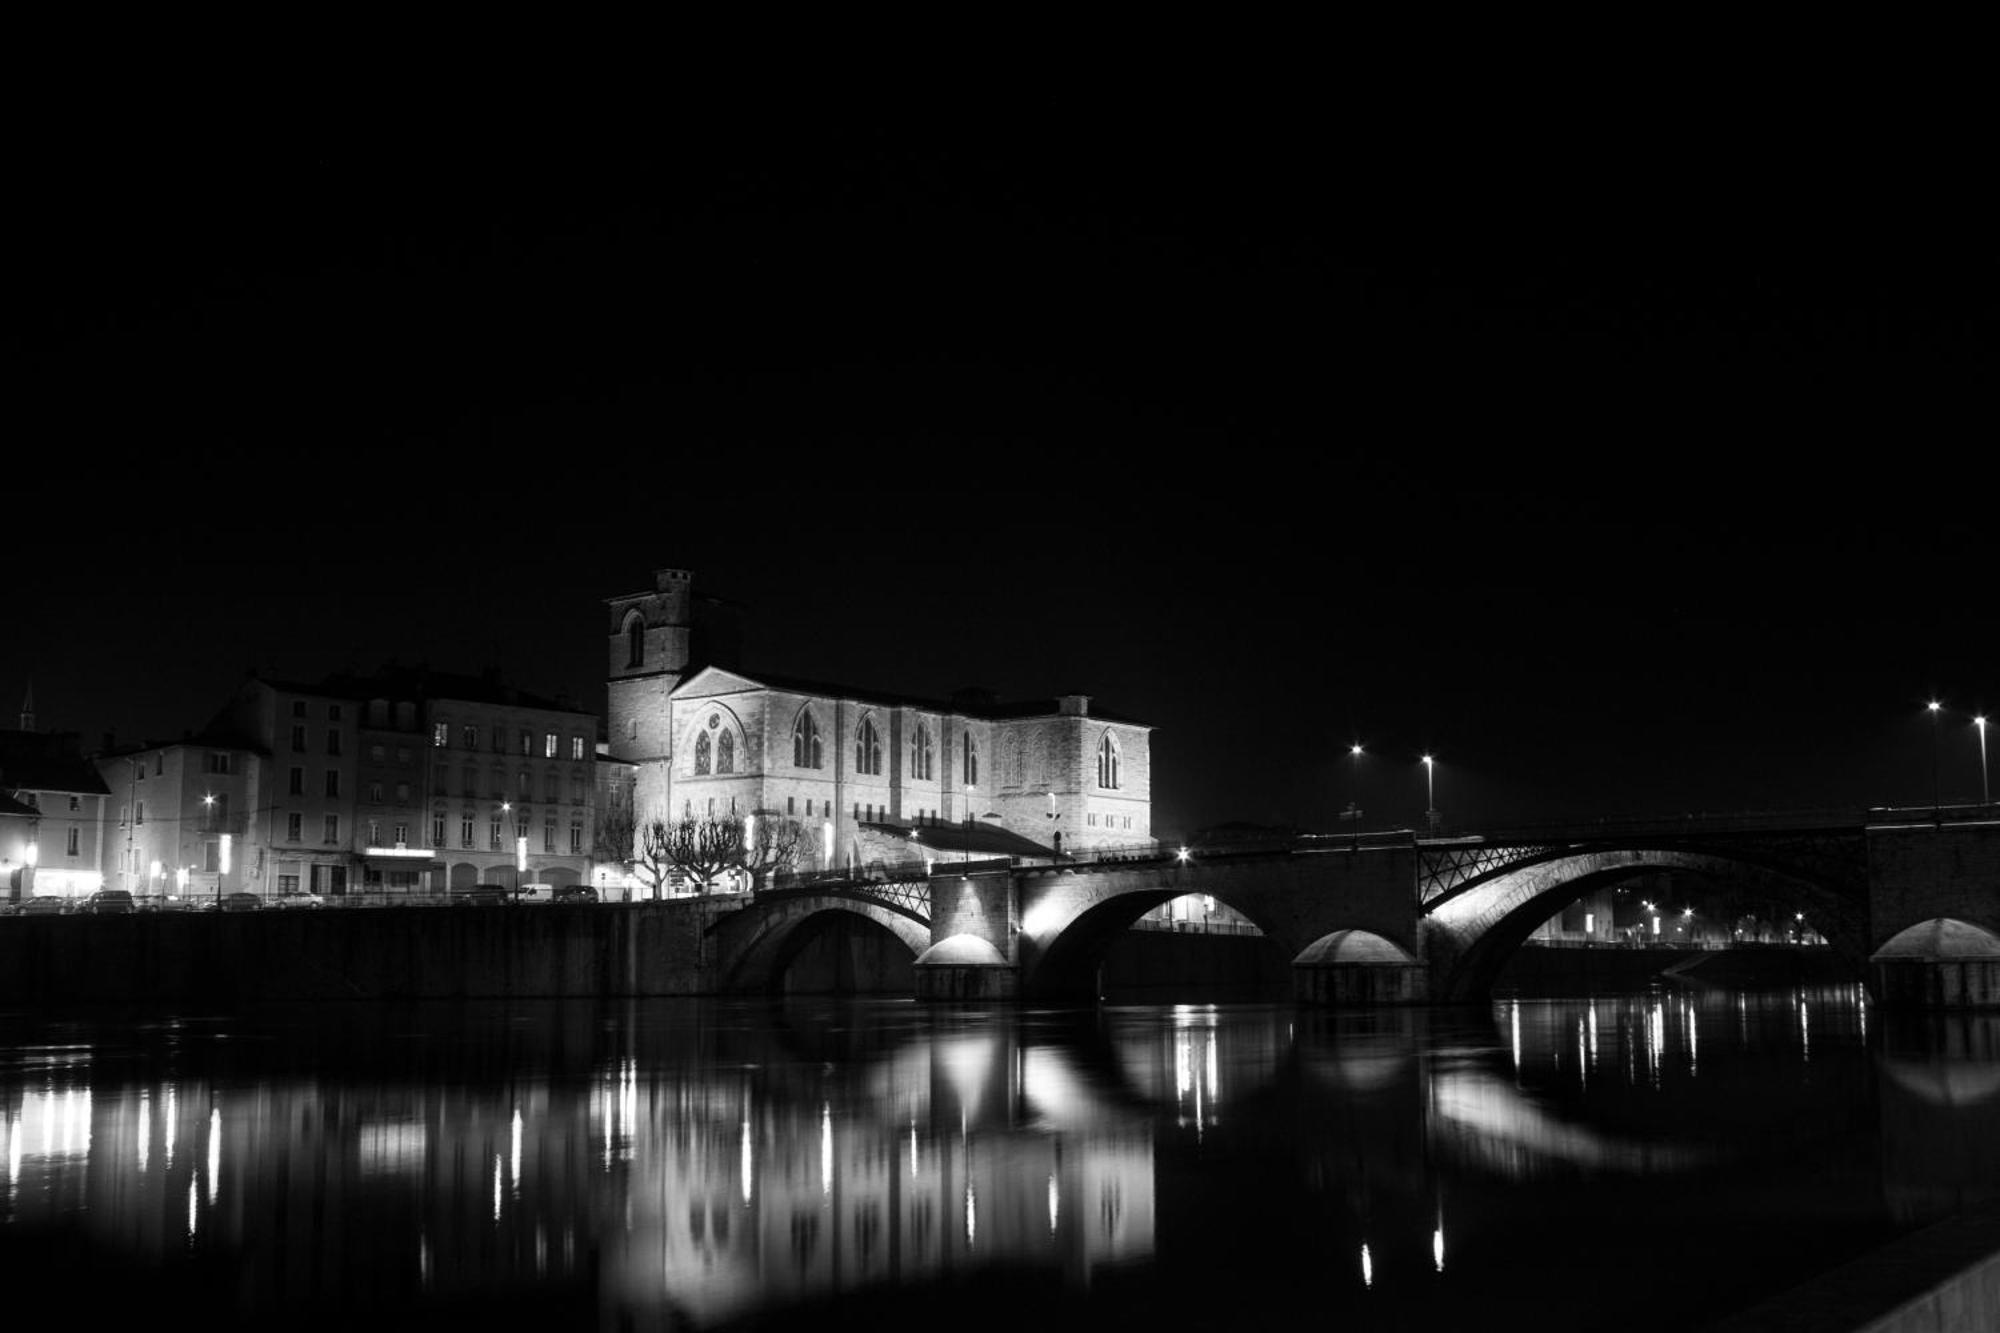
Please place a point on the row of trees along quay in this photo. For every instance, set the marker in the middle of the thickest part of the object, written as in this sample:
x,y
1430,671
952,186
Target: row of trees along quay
x,y
708,852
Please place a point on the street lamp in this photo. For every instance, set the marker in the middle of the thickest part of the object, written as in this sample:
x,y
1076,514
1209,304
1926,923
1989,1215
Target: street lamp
x,y
1937,798
1353,810
1985,793
1430,793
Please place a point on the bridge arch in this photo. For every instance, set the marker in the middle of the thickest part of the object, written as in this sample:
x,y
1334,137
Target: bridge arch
x,y
758,960
1067,934
1470,932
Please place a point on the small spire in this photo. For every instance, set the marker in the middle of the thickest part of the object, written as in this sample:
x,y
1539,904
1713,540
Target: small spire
x,y
28,708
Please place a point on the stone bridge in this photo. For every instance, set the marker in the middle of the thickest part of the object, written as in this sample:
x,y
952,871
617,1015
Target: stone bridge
x,y
1911,896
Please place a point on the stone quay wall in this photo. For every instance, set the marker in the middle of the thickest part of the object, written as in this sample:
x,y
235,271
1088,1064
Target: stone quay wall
x,y
391,953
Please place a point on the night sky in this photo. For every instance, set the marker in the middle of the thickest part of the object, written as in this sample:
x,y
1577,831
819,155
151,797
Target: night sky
x,y
1624,490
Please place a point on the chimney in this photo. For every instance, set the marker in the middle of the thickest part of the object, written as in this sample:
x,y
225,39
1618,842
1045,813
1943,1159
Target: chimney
x,y
1073,705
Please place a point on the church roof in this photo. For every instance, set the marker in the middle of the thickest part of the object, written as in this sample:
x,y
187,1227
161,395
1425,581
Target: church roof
x,y
967,703
980,839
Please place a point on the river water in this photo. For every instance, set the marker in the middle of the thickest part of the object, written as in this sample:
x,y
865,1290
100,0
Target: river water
x,y
1631,1162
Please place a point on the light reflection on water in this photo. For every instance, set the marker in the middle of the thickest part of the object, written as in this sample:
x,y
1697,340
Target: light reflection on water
x,y
708,1163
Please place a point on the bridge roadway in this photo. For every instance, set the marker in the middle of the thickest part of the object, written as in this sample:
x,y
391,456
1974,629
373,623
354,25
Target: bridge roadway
x,y
1911,897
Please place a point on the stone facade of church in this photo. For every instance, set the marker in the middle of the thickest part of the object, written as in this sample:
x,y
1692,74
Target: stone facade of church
x,y
849,765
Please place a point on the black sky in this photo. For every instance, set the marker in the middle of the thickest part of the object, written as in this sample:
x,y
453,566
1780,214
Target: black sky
x,y
1625,477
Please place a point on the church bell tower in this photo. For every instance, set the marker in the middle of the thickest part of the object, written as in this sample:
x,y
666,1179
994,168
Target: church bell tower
x,y
649,646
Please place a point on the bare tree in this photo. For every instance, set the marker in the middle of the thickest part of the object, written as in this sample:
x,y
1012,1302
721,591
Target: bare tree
x,y
778,844
701,850
704,850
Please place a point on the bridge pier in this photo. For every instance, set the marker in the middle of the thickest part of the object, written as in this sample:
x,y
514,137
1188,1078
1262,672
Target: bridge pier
x,y
975,954
1358,969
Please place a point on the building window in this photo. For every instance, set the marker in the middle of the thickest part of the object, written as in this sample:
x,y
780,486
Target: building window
x,y
437,830
440,735
791,805
631,728
549,745
333,742
374,833
298,708
402,834
725,753
494,833
288,883
465,831
333,828
403,754
71,850
521,827
218,762
402,793
805,741
551,787
139,813
920,754
701,754
376,754
576,788
499,740
298,785
635,641
1107,762
867,748
527,743
333,712
576,747
76,803
298,737
549,836
333,782
522,789
575,836
468,738
971,760
295,827
375,793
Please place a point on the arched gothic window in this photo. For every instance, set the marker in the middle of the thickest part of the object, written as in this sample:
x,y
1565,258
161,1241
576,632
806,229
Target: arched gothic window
x,y
1107,762
867,748
805,742
701,753
635,640
920,753
725,753
971,761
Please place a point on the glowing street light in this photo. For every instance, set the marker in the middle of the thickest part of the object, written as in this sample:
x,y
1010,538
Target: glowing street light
x,y
1430,792
1353,810
1182,856
1985,793
1937,798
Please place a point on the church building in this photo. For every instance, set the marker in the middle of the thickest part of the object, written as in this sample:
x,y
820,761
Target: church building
x,y
860,771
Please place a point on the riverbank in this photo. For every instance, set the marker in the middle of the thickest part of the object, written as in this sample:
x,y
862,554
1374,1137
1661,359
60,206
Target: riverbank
x,y
1546,972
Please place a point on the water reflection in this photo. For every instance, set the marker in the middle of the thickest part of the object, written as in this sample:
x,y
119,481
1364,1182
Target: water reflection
x,y
708,1164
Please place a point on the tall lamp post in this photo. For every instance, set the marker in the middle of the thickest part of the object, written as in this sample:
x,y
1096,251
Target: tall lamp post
x,y
1430,794
1985,792
1354,783
1937,797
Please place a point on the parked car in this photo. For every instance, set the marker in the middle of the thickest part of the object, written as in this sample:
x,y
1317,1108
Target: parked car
x,y
167,903
481,895
45,904
576,893
298,900
240,902
109,902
